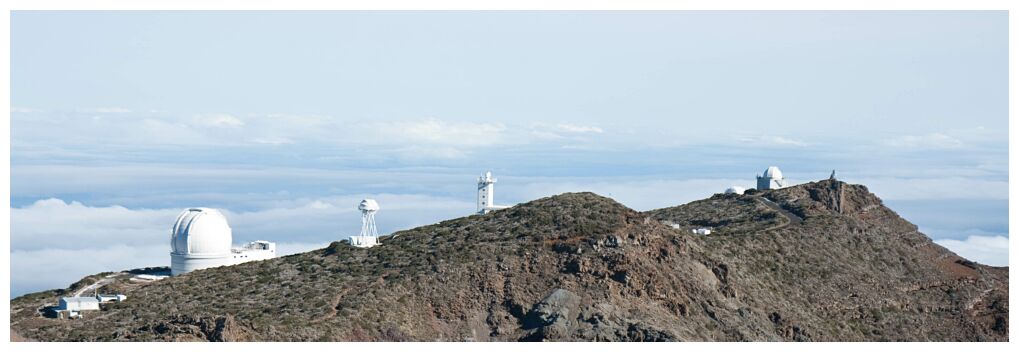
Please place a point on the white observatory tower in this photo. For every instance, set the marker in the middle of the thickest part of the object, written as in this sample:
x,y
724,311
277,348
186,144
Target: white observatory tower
x,y
486,194
369,233
772,179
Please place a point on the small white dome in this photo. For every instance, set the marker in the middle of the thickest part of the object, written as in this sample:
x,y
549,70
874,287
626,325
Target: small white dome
x,y
773,172
201,231
735,190
369,205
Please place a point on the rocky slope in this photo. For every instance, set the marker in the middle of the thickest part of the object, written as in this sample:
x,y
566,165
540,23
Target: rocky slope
x,y
824,261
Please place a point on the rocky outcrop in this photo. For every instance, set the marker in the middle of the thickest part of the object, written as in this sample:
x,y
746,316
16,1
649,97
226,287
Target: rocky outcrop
x,y
554,318
191,328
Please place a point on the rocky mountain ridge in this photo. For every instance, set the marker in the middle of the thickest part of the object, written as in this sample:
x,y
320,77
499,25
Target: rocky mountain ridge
x,y
823,261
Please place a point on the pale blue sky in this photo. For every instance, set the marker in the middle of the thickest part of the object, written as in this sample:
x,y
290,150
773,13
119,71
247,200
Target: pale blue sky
x,y
283,118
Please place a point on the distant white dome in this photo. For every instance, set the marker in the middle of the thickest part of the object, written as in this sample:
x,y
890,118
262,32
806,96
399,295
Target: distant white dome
x,y
735,190
369,205
202,231
773,172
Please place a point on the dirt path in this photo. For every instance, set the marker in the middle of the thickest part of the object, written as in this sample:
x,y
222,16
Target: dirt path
x,y
793,218
108,279
332,308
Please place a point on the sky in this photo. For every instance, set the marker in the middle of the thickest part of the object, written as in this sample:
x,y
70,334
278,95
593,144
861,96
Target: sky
x,y
285,120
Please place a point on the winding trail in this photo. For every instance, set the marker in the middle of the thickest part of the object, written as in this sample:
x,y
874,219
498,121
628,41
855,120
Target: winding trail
x,y
332,308
793,218
108,279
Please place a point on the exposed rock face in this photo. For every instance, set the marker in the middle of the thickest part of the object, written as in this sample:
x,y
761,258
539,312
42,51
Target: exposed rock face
x,y
580,267
188,328
553,317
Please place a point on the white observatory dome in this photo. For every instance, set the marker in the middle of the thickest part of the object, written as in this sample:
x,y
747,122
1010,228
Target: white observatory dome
x,y
735,190
201,231
368,205
773,172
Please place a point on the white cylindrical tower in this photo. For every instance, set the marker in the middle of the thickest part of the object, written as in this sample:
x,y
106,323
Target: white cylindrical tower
x,y
486,192
200,238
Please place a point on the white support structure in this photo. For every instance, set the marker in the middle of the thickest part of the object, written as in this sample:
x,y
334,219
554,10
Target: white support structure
x,y
486,194
369,232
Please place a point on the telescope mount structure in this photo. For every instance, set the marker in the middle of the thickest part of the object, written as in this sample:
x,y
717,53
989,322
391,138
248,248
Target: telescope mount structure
x,y
369,236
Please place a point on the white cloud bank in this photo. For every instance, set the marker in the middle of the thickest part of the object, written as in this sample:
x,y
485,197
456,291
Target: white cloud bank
x,y
55,224
54,242
988,250
45,269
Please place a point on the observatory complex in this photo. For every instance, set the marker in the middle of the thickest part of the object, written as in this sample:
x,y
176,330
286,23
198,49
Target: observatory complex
x,y
369,236
486,194
771,179
201,238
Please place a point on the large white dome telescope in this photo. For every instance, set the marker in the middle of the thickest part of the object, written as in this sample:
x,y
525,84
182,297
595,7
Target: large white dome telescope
x,y
201,231
201,238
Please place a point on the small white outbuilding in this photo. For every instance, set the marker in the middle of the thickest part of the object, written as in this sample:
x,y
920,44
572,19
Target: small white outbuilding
x,y
73,306
735,190
111,298
701,231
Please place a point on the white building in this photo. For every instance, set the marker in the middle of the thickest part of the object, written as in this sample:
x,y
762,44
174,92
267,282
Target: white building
x,y
772,179
147,277
201,238
701,231
486,194
258,250
111,298
73,306
735,190
369,236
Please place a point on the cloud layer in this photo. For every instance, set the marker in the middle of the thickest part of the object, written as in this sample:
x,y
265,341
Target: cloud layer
x,y
89,239
413,138
55,242
115,178
989,250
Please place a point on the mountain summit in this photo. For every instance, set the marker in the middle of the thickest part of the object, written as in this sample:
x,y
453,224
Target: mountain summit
x,y
823,261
